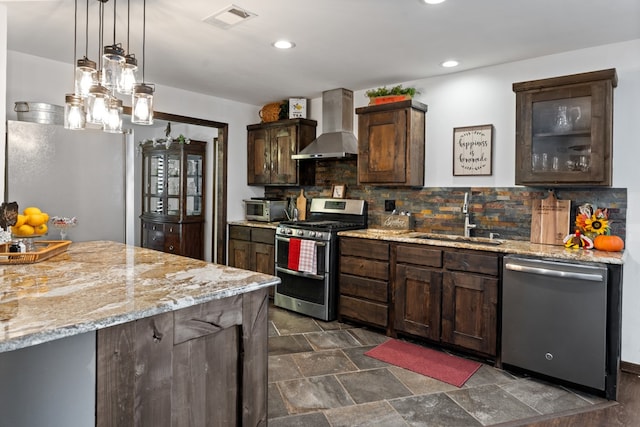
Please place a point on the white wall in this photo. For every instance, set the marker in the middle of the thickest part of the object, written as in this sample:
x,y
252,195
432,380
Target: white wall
x,y
485,96
3,88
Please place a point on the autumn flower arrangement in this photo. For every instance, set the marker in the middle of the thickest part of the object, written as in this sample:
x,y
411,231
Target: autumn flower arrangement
x,y
590,224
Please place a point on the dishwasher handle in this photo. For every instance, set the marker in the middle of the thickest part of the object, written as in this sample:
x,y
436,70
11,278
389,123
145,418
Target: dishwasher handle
x,y
554,273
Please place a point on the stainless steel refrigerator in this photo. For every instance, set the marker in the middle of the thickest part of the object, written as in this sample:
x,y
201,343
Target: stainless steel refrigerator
x,y
69,173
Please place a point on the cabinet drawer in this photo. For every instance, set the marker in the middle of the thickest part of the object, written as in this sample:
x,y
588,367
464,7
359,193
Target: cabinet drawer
x,y
172,229
172,243
155,240
364,267
419,255
472,262
365,311
362,287
263,235
208,318
239,233
365,248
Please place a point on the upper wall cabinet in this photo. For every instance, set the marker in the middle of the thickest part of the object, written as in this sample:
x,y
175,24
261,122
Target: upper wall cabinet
x,y
269,151
391,140
564,130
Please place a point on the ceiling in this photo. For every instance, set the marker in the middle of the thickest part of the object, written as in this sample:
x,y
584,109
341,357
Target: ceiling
x,y
356,44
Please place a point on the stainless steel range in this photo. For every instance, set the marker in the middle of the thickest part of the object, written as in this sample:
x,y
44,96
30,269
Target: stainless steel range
x,y
307,256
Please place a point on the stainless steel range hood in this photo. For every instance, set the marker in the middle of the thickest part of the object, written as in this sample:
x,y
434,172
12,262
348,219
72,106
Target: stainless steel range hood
x,y
337,140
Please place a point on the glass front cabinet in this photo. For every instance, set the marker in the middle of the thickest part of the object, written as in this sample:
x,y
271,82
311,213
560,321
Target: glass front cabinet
x,y
173,198
564,130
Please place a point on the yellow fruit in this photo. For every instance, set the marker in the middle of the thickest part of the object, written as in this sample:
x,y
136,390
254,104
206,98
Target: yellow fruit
x,y
35,220
46,216
21,220
31,210
42,229
15,230
26,230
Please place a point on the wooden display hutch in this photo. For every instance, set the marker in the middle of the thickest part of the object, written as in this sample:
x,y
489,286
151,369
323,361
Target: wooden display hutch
x,y
173,198
564,128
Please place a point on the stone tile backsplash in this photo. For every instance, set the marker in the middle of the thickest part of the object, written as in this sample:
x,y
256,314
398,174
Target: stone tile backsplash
x,y
502,210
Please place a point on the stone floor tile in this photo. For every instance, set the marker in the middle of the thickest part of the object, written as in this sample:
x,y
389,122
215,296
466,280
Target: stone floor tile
x,y
356,354
324,363
314,419
275,404
313,394
368,414
282,367
490,404
273,332
287,322
288,344
420,384
488,375
433,410
543,397
368,337
331,339
372,385
332,326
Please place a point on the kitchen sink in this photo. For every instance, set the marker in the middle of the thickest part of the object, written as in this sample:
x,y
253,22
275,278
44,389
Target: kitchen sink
x,y
460,239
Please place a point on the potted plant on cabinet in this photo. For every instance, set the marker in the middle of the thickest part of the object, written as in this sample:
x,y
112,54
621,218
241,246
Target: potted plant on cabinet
x,y
384,95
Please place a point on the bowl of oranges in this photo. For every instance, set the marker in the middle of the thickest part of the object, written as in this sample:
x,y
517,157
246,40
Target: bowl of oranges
x,y
31,223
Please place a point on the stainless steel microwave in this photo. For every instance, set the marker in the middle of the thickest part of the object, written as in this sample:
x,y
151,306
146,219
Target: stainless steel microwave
x,y
265,210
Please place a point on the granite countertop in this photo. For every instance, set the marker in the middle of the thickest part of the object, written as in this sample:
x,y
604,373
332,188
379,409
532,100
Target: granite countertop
x,y
99,284
257,224
515,247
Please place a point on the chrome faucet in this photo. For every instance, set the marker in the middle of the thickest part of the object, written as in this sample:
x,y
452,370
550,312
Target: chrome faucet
x,y
465,210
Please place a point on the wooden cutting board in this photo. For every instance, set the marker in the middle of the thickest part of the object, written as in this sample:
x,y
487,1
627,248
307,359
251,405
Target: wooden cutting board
x,y
301,205
550,220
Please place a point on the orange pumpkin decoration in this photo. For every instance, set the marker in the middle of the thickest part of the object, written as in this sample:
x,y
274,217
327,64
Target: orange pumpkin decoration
x,y
608,243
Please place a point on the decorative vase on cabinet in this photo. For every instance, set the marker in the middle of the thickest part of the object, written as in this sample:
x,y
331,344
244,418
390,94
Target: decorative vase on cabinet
x,y
173,198
564,129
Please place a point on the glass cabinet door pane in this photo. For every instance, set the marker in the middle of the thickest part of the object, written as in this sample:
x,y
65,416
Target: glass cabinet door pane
x,y
173,206
194,184
561,135
173,175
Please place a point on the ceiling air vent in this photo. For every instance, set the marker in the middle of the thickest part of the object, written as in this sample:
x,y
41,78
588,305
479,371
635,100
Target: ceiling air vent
x,y
229,16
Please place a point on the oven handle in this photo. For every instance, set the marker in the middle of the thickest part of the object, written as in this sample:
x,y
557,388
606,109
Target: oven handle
x,y
299,273
287,239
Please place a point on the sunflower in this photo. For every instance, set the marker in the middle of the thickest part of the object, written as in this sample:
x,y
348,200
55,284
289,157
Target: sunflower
x,y
598,225
581,221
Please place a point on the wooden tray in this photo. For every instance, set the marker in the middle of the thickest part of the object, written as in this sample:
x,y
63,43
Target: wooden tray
x,y
550,220
45,249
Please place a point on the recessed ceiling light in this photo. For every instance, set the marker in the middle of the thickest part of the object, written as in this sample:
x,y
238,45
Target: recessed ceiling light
x,y
433,1
284,44
450,63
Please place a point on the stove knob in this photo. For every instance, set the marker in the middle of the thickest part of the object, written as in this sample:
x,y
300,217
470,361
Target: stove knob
x,y
300,232
319,235
312,234
289,231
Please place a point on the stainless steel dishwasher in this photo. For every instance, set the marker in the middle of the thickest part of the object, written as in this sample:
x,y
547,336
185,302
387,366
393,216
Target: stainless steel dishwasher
x,y
554,317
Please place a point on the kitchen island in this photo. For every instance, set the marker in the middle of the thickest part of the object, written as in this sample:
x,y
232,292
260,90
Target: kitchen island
x,y
169,340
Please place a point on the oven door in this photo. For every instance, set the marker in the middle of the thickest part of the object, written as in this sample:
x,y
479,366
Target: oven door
x,y
304,292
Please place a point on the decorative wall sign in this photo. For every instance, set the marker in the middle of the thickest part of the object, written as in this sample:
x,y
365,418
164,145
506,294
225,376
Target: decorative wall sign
x,y
472,150
338,191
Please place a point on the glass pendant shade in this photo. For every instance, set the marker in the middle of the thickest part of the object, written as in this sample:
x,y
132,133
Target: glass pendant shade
x,y
142,104
128,76
97,104
85,77
112,62
112,122
74,112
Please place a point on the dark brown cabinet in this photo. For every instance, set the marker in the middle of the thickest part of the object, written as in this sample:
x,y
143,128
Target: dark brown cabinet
x,y
564,129
204,365
391,144
364,282
173,198
269,150
446,295
252,248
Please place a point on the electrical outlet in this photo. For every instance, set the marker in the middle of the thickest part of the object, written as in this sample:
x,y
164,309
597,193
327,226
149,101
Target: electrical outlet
x,y
389,205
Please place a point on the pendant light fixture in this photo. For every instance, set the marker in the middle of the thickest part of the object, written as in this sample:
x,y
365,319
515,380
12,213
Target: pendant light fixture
x,y
98,94
86,72
74,110
112,58
142,99
128,75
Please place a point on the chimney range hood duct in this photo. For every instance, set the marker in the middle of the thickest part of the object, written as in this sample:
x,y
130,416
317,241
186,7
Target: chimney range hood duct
x,y
337,140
